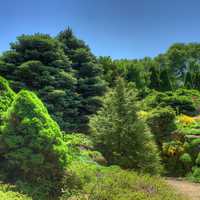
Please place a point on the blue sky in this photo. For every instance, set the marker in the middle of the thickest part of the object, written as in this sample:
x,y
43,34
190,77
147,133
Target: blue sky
x,y
116,28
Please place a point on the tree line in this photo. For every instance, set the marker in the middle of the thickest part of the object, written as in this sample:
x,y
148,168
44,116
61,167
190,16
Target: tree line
x,y
70,80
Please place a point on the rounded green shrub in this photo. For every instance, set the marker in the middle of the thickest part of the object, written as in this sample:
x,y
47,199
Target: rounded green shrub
x,y
31,144
187,161
186,158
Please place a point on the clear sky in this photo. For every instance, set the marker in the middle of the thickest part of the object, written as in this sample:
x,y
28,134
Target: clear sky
x,y
116,28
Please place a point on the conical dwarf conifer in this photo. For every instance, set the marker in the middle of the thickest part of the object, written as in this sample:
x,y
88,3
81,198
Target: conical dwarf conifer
x,y
6,96
31,143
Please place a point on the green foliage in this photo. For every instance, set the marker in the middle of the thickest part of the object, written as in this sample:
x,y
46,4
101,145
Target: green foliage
x,y
161,121
110,70
171,153
165,84
196,81
154,79
88,72
188,81
78,140
182,101
37,62
9,192
177,67
62,71
115,184
6,96
116,130
82,148
197,161
31,144
195,175
186,160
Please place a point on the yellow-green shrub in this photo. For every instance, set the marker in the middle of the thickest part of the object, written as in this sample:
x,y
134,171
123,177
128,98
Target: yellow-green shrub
x,y
31,144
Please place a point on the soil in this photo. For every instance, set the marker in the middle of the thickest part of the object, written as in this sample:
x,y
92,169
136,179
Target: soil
x,y
187,189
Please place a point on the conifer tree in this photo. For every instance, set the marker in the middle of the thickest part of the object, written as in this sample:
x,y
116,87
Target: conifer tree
x,y
165,83
154,79
32,148
196,80
188,83
90,85
120,135
38,63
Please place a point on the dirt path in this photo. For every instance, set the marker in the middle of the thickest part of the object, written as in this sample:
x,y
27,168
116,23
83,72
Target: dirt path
x,y
192,190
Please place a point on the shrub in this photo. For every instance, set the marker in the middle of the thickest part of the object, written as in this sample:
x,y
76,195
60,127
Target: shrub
x,y
186,159
161,122
112,183
78,140
194,147
81,147
31,144
182,101
143,115
6,96
185,120
120,135
198,160
171,152
195,175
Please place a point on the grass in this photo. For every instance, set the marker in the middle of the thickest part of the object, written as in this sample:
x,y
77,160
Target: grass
x,y
94,182
113,183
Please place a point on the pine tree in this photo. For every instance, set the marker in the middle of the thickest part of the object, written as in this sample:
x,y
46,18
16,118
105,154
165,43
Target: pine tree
x,y
196,80
90,85
120,135
165,84
154,79
32,148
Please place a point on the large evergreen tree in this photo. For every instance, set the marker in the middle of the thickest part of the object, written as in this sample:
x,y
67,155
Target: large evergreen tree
x,y
37,62
31,144
196,80
120,135
90,84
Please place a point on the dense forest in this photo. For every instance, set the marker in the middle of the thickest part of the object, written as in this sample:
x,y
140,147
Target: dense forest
x,y
80,127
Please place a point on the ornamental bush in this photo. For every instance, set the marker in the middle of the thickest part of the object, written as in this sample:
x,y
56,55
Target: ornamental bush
x,y
183,101
161,122
6,96
31,144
